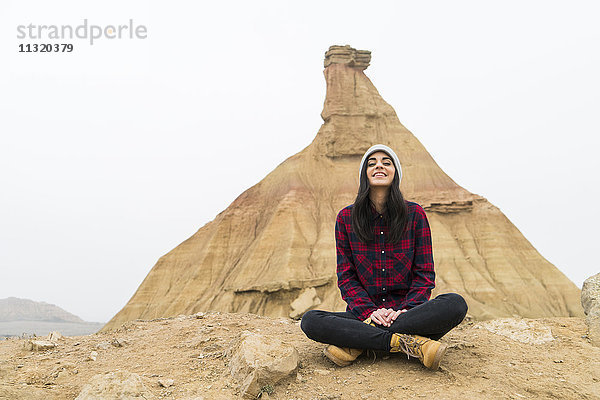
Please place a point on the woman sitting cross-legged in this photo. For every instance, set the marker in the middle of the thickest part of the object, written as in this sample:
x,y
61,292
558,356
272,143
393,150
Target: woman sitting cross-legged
x,y
385,274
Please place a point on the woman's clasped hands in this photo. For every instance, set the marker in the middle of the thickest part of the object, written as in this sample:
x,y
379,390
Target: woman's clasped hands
x,y
385,316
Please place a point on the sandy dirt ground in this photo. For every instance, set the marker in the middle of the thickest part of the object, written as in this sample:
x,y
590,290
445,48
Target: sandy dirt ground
x,y
548,358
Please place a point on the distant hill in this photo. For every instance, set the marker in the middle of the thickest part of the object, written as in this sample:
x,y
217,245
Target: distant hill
x,y
23,316
14,309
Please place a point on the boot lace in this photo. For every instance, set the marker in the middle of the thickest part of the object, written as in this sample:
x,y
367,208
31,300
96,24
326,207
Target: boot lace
x,y
371,353
411,346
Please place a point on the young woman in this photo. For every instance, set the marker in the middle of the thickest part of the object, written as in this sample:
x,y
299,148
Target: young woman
x,y
385,274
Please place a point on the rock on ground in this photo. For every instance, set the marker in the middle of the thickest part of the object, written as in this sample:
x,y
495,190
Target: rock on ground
x,y
590,300
39,345
120,385
258,362
54,335
166,382
519,330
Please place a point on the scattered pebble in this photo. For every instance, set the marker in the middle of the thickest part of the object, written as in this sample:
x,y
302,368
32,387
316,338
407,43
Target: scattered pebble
x,y
166,382
118,342
54,336
103,345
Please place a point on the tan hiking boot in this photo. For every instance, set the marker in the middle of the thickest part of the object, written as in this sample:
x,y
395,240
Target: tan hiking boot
x,y
429,351
342,356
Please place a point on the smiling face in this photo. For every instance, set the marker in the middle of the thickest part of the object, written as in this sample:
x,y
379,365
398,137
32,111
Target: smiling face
x,y
380,169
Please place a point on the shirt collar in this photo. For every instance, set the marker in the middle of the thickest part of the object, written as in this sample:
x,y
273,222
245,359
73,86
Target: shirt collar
x,y
374,213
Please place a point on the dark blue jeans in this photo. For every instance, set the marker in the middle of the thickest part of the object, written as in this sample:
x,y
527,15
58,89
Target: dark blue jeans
x,y
432,319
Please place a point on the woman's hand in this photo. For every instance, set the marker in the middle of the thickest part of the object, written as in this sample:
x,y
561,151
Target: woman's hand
x,y
385,316
395,314
380,316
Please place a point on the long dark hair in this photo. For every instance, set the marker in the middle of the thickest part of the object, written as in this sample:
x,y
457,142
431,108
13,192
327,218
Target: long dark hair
x,y
396,210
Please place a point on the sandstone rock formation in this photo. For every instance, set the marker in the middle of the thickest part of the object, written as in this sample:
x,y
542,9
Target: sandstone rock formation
x,y
590,300
277,238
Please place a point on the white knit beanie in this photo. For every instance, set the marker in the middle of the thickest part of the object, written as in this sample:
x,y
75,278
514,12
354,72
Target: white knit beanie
x,y
385,149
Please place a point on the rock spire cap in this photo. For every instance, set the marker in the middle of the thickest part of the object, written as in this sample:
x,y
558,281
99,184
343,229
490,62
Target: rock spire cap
x,y
358,59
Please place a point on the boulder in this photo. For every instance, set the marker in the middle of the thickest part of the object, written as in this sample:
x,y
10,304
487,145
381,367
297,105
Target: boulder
x,y
590,300
92,357
120,385
257,362
304,302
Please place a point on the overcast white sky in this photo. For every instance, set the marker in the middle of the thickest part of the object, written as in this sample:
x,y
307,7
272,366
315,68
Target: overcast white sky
x,y
113,154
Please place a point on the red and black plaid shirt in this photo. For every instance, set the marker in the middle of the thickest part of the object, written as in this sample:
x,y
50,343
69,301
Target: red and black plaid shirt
x,y
381,274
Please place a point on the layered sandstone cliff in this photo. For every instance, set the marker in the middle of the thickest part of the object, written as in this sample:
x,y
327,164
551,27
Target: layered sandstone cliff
x,y
275,242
